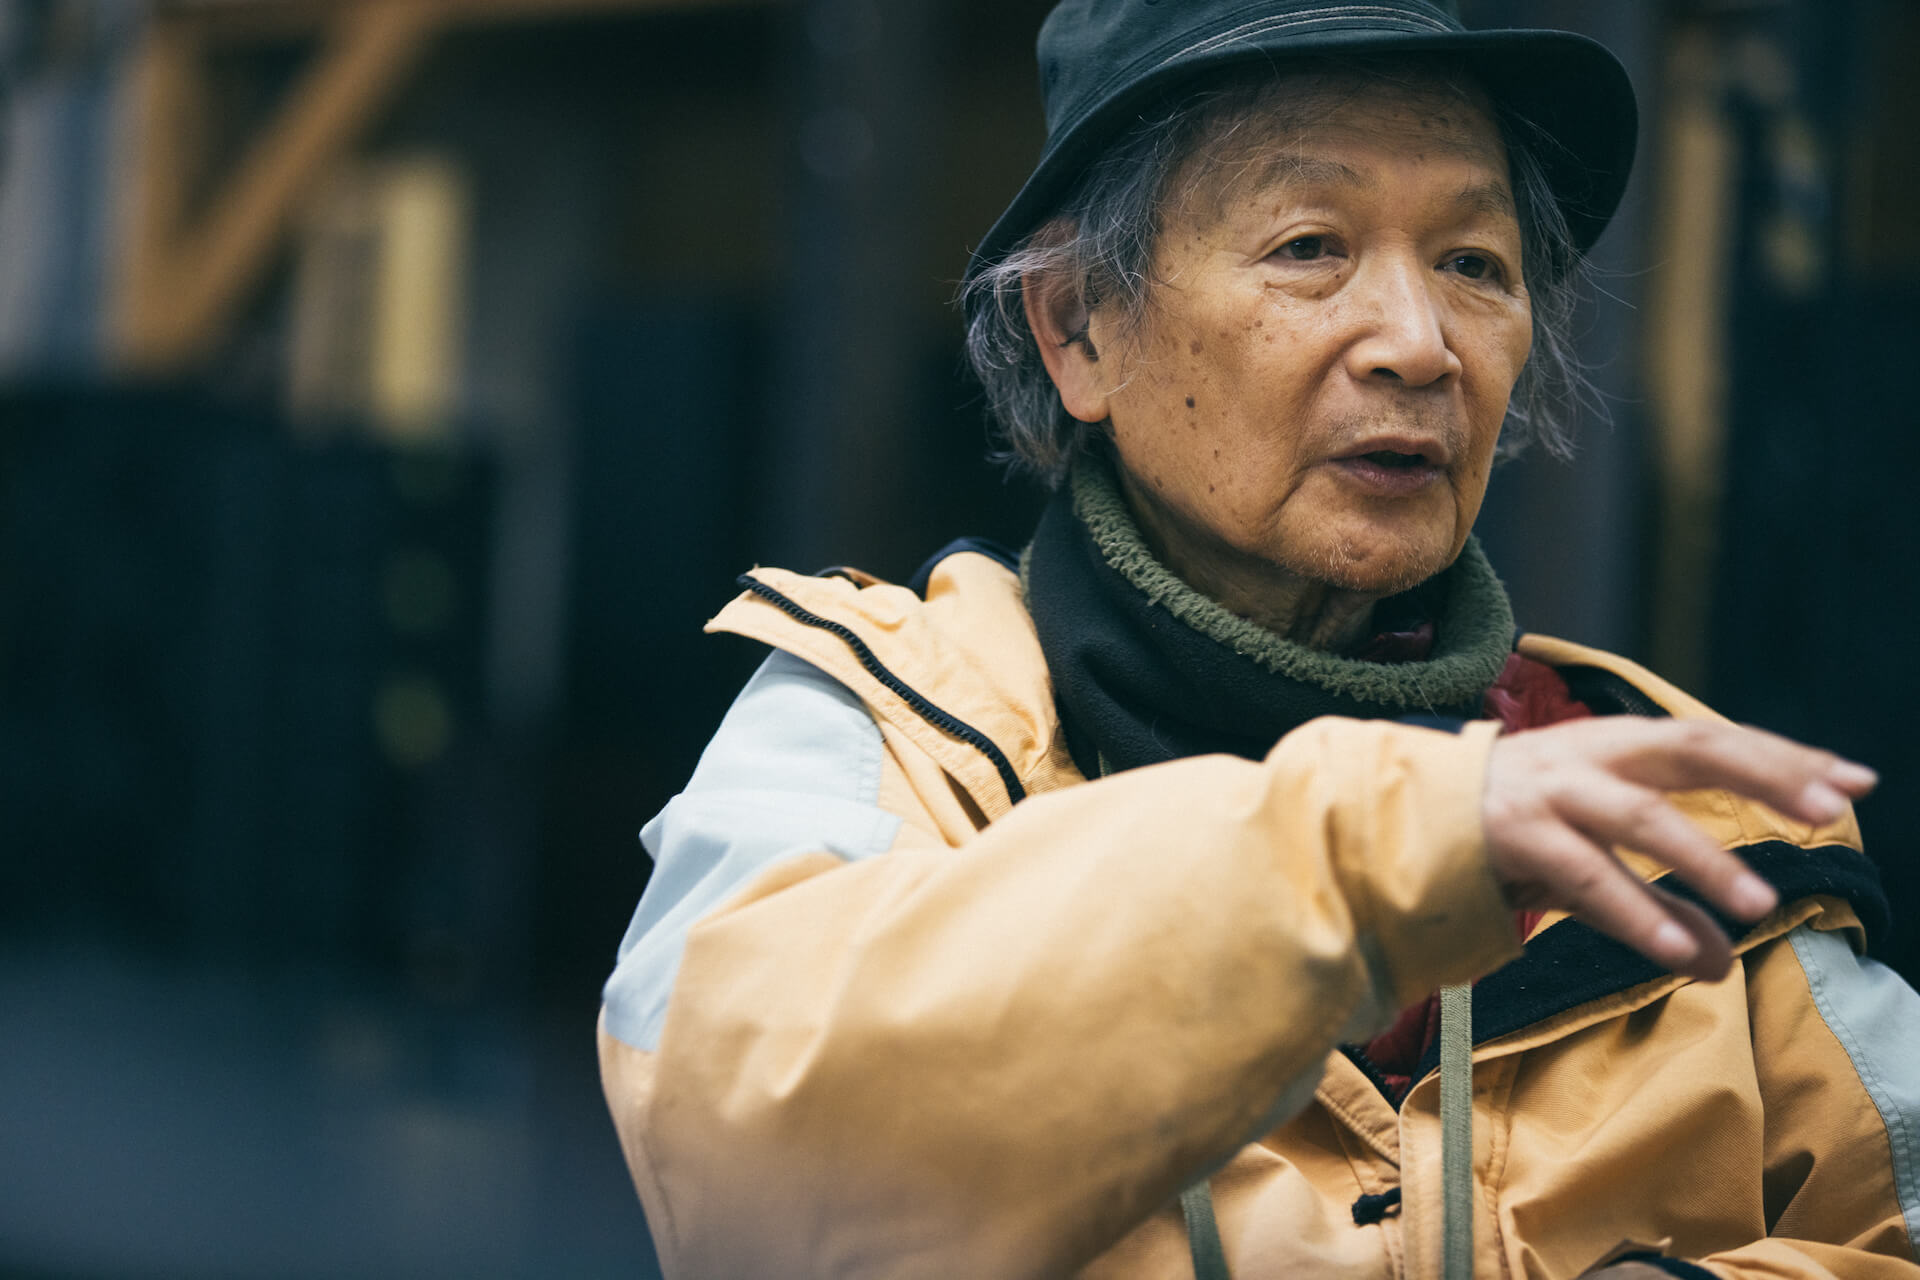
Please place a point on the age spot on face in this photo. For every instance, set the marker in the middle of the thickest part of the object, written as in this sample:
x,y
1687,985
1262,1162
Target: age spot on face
x,y
1196,346
1189,402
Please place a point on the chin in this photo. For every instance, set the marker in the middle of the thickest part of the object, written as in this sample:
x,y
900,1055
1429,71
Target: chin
x,y
1370,567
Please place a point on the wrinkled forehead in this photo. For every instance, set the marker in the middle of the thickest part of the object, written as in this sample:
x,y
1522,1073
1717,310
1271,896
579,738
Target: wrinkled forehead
x,y
1311,125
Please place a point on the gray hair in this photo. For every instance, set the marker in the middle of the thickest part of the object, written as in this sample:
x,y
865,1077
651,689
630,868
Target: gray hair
x,y
1103,236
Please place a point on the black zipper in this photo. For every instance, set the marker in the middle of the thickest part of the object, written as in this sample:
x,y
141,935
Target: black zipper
x,y
946,722
1636,702
1378,1078
1594,684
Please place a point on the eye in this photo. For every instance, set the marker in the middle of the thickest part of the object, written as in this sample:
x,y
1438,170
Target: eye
x,y
1473,266
1305,249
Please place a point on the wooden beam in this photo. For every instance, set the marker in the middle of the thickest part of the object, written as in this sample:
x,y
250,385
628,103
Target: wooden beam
x,y
180,283
167,120
1686,345
186,282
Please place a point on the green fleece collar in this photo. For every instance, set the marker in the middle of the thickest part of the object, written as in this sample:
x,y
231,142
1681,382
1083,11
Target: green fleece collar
x,y
1473,632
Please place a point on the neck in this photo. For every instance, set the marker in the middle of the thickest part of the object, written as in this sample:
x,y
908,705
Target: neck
x,y
1146,667
1312,614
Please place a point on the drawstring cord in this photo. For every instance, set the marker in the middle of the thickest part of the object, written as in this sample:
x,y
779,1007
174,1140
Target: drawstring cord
x,y
1456,1150
1456,1131
1203,1233
1456,1158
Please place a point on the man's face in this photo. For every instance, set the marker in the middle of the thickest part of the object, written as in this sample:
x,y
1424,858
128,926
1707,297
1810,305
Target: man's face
x,y
1320,381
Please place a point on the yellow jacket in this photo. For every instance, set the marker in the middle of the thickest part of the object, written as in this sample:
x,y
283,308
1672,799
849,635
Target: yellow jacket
x,y
908,996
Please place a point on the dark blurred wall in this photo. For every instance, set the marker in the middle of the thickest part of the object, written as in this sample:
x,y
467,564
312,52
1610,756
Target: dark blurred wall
x,y
1814,612
229,662
342,746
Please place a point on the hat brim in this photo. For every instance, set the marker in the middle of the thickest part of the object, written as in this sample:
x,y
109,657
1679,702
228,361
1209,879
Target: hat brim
x,y
1572,88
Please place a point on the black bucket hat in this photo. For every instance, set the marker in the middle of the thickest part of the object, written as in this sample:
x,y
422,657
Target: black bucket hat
x,y
1105,63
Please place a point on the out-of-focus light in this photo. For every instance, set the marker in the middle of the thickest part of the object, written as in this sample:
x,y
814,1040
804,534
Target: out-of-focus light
x,y
411,720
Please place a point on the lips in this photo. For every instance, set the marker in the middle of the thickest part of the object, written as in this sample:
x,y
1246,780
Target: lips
x,y
1393,468
1399,451
1394,458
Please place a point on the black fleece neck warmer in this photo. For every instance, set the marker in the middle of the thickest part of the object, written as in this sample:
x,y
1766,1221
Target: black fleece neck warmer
x,y
1146,669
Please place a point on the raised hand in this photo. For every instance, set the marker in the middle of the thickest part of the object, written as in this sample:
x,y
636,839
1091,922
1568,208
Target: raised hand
x,y
1559,799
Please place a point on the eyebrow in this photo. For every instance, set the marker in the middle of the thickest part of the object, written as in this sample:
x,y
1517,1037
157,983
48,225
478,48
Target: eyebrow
x,y
1492,198
1284,167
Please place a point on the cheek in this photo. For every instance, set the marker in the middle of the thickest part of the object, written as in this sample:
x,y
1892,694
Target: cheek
x,y
1517,341
1471,490
1498,358
1177,410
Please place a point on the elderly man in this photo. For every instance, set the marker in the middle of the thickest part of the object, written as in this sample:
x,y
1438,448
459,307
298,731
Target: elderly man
x,y
1091,912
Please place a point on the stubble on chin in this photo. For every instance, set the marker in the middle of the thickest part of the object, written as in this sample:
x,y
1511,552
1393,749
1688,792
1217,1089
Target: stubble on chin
x,y
1345,565
1386,561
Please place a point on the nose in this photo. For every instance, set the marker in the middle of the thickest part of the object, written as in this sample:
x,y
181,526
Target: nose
x,y
1401,332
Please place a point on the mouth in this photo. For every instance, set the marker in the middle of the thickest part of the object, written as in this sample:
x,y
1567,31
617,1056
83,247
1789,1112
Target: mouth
x,y
1402,452
1395,460
1394,468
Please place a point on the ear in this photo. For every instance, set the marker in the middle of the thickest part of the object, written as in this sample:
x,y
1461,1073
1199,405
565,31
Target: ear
x,y
1060,323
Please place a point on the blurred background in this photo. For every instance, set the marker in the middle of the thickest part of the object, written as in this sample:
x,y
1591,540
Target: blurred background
x,y
390,388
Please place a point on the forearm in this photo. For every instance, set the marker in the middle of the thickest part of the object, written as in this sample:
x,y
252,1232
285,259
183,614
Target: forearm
x,y
1004,1055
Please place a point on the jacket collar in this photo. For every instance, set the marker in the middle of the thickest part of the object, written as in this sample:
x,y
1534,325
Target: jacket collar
x,y
966,649
969,650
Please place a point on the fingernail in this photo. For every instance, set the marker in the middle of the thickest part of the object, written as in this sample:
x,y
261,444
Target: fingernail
x,y
1854,777
1675,943
1821,803
1753,897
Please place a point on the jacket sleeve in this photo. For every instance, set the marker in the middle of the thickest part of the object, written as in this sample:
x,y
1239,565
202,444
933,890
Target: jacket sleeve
x,y
835,1045
1837,1051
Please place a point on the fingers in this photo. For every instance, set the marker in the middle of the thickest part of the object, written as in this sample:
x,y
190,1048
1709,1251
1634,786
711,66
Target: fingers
x,y
1611,812
1712,956
1559,799
1595,887
1800,781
